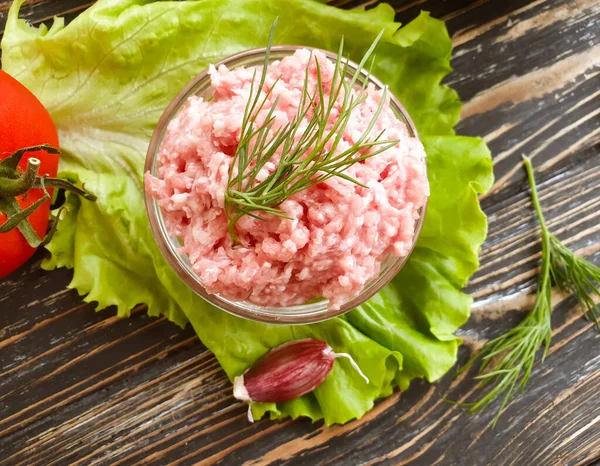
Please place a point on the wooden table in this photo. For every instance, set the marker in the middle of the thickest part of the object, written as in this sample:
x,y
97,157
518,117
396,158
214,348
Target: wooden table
x,y
79,387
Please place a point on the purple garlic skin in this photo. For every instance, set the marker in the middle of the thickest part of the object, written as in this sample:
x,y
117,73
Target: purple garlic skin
x,y
289,371
286,372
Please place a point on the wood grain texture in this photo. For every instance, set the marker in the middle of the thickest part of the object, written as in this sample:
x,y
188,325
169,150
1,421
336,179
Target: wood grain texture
x,y
85,388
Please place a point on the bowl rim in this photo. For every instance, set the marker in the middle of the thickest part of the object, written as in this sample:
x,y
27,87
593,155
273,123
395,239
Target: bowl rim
x,y
298,314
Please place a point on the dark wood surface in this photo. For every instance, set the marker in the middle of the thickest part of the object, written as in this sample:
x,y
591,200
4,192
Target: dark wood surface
x,y
80,388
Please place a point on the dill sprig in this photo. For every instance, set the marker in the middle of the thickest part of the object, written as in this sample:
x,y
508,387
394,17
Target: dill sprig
x,y
578,277
507,361
308,149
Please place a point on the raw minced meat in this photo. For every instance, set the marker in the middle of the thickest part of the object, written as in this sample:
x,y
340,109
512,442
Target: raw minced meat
x,y
338,233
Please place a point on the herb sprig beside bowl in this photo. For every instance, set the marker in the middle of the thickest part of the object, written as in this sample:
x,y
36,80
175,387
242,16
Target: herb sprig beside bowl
x,y
508,360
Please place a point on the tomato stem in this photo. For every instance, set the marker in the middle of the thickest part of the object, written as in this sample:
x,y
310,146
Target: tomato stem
x,y
14,220
66,185
11,187
13,160
15,183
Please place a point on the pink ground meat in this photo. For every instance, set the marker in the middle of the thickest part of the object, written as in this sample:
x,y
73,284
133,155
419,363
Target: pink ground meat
x,y
339,232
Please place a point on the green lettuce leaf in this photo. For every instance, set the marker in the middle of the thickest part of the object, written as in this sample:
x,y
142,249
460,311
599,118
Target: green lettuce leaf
x,y
106,78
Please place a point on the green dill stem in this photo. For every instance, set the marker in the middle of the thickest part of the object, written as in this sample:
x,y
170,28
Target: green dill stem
x,y
570,273
538,208
511,356
544,284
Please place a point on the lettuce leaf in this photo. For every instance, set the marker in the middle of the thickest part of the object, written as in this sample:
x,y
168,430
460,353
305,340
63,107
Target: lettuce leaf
x,y
106,78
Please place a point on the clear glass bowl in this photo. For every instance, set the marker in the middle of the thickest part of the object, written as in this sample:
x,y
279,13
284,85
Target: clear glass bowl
x,y
169,245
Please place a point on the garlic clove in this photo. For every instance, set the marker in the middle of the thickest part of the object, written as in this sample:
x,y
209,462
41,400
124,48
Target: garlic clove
x,y
288,371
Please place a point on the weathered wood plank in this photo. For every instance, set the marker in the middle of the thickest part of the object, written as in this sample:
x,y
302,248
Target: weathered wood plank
x,y
78,387
38,11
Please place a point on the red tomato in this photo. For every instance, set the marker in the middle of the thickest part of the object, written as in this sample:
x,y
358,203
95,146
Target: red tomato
x,y
24,122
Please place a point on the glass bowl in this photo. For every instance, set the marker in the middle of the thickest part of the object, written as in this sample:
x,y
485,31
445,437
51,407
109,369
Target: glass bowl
x,y
169,245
